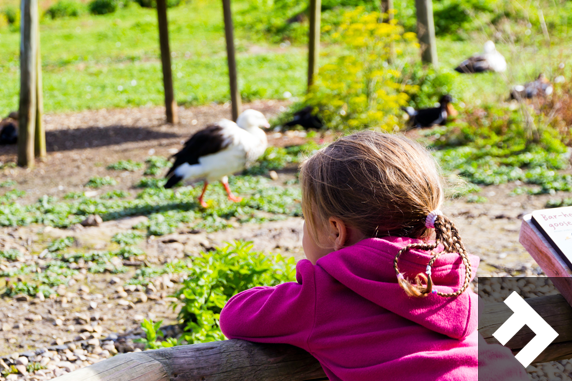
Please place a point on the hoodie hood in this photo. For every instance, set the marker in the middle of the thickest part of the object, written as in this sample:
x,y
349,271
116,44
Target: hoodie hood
x,y
367,269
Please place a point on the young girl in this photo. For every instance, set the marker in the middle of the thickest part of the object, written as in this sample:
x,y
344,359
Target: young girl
x,y
384,294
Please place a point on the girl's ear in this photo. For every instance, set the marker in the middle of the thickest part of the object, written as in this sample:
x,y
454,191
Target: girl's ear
x,y
338,233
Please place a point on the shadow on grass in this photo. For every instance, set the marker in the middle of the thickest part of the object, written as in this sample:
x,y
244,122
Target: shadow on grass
x,y
146,210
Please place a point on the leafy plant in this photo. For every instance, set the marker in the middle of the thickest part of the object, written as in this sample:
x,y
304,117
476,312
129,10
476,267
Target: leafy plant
x,y
60,244
126,165
11,196
152,333
102,7
11,255
127,238
216,276
153,3
276,158
64,8
98,182
12,15
115,194
7,184
155,164
358,89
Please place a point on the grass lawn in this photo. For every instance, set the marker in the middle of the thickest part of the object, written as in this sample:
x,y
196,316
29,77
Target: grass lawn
x,y
112,61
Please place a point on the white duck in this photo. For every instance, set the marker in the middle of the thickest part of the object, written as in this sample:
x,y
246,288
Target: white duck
x,y
219,150
489,60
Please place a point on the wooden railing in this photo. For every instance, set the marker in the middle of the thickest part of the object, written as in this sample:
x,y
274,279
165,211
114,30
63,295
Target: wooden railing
x,y
235,360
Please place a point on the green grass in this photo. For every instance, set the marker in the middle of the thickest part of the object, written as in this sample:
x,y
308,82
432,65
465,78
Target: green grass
x,y
112,61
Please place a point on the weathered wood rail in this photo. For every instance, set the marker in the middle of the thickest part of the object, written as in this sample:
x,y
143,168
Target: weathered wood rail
x,y
240,360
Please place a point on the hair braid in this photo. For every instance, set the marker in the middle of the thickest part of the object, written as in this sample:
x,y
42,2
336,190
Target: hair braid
x,y
448,236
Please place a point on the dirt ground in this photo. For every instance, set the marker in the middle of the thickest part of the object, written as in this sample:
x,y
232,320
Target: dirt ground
x,y
96,306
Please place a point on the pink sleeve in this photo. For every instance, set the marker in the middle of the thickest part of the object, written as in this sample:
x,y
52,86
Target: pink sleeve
x,y
280,314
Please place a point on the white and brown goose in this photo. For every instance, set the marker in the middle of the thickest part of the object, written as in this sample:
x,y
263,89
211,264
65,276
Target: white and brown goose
x,y
220,150
489,60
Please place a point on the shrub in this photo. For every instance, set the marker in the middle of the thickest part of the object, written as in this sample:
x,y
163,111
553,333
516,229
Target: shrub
x,y
3,21
12,15
218,275
281,20
359,89
153,3
102,7
64,8
429,84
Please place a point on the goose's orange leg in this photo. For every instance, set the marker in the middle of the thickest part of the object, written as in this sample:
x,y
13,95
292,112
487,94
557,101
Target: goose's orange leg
x,y
231,197
201,201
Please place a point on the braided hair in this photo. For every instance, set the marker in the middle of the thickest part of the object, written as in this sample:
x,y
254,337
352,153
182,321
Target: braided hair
x,y
447,235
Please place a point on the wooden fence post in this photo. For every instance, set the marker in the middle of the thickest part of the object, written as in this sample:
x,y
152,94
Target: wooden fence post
x,y
231,58
28,87
426,31
386,6
170,103
314,43
40,135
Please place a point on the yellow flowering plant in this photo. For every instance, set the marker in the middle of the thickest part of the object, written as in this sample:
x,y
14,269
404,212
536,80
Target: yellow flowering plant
x,y
359,88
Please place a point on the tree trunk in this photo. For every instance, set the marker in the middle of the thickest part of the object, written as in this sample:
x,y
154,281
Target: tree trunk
x,y
426,31
314,43
40,136
231,58
170,103
28,87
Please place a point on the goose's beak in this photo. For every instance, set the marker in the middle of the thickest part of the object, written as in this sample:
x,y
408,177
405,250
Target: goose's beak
x,y
266,125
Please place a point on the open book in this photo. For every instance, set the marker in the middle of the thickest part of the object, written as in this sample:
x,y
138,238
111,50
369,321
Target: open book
x,y
556,227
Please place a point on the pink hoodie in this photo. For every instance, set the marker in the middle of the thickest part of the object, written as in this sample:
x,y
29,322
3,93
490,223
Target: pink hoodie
x,y
349,312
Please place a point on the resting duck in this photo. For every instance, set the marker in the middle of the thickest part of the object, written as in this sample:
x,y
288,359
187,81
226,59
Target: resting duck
x,y
9,129
489,60
219,150
306,119
428,117
539,88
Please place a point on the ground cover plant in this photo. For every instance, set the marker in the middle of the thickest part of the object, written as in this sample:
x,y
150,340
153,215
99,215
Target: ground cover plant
x,y
167,209
218,275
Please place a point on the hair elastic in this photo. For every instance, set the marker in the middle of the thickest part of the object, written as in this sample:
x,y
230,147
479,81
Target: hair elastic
x,y
431,217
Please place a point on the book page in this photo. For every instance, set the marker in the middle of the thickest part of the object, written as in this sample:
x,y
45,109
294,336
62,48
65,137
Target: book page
x,y
556,224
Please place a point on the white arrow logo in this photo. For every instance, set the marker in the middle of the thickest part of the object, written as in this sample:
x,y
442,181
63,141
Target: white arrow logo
x,y
523,315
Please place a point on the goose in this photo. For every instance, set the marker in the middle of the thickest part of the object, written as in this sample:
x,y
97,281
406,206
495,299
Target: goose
x,y
489,60
9,129
540,87
219,150
428,117
306,119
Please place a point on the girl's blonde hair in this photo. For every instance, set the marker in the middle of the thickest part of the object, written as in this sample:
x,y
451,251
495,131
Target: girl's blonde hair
x,y
383,185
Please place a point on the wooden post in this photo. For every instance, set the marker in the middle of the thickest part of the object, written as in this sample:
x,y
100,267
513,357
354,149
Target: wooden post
x,y
28,87
40,135
170,103
231,58
426,31
386,6
314,43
